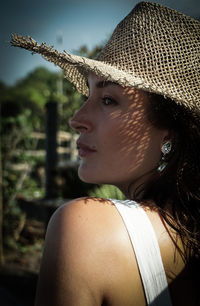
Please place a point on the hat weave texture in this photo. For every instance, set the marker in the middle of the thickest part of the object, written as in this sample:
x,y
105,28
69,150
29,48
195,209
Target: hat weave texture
x,y
153,48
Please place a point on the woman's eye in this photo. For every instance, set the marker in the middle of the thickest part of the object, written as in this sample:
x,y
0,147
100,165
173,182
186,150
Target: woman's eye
x,y
109,101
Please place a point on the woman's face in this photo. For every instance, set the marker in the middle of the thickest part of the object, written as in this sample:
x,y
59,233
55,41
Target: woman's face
x,y
117,143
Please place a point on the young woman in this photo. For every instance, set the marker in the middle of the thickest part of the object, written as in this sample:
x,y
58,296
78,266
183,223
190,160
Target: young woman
x,y
139,130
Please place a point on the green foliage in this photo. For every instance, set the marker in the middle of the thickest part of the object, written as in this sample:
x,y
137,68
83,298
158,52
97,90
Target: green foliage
x,y
15,141
14,219
38,87
22,109
22,112
16,129
107,191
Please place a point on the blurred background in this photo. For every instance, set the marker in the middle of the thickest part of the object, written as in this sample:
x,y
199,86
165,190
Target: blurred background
x,y
38,156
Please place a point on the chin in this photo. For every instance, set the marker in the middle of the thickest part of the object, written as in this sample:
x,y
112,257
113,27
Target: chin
x,y
86,176
90,177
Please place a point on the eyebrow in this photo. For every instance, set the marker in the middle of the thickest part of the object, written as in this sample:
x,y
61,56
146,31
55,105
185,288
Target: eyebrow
x,y
104,83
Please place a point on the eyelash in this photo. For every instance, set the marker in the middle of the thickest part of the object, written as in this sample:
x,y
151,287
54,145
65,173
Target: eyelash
x,y
112,101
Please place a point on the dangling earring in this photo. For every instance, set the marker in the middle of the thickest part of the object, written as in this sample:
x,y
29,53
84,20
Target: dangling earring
x,y
165,149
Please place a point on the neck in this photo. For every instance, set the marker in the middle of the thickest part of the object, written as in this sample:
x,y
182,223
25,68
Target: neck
x,y
135,189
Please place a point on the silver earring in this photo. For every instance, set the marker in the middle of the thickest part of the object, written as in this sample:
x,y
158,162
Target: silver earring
x,y
165,149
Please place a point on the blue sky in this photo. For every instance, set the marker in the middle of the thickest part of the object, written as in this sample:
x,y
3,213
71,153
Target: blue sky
x,y
79,22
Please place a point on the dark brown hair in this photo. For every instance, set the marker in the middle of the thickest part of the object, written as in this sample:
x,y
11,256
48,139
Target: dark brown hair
x,y
179,184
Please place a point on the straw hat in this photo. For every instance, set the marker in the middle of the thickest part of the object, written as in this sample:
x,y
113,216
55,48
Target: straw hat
x,y
154,48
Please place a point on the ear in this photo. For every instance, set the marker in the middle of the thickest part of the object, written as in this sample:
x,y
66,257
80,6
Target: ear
x,y
167,135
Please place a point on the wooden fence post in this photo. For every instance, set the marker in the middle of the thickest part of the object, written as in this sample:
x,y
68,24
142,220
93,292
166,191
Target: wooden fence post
x,y
51,149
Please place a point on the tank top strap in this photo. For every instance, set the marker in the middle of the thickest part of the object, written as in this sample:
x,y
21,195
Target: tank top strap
x,y
147,252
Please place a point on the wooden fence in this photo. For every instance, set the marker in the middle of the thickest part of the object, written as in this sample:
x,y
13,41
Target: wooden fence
x,y
66,150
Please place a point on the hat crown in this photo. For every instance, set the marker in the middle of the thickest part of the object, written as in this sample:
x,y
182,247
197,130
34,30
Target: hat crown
x,y
160,45
148,25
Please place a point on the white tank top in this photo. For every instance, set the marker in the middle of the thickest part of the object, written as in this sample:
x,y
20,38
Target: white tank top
x,y
147,252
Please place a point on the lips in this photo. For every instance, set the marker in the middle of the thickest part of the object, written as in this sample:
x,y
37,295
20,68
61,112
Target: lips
x,y
84,149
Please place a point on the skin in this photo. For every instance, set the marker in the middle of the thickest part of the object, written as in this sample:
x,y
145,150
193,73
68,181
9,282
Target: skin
x,y
113,121
88,258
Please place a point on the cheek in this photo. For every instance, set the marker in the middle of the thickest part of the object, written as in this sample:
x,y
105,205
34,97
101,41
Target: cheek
x,y
134,137
138,145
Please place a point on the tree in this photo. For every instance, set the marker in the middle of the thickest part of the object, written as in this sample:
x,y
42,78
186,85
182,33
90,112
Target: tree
x,y
23,111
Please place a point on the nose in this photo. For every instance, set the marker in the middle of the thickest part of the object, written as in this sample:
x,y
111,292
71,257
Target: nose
x,y
80,120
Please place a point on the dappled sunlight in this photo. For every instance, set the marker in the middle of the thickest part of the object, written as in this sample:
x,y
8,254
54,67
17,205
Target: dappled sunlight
x,y
114,123
91,200
134,129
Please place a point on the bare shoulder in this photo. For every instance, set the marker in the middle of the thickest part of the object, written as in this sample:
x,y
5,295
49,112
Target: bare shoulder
x,y
82,206
76,248
81,224
82,216
87,225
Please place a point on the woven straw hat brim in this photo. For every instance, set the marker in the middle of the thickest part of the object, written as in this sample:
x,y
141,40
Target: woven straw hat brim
x,y
153,48
77,68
